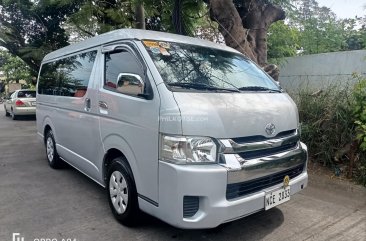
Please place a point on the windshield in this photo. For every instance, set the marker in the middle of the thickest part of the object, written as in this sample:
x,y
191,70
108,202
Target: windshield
x,y
184,66
27,94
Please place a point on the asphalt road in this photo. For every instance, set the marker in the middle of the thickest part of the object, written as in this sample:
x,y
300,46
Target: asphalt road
x,y
38,202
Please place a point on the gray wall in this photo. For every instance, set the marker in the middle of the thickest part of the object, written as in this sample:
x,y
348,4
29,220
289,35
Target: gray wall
x,y
318,71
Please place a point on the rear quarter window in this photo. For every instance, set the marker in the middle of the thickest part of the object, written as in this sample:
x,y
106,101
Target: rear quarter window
x,y
68,76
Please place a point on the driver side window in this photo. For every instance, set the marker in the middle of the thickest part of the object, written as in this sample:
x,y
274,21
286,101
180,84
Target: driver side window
x,y
123,73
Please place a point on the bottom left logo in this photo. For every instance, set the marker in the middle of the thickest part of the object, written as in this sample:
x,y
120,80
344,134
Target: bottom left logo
x,y
17,237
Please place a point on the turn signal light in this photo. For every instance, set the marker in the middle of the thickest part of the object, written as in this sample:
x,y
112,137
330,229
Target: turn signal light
x,y
19,103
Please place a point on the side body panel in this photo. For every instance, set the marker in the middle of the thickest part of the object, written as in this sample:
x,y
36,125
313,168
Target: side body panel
x,y
75,127
131,125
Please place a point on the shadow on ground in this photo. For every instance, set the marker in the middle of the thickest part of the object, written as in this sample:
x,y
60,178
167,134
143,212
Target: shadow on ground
x,y
24,118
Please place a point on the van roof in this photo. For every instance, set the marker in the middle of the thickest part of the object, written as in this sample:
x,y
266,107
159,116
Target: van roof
x,y
138,34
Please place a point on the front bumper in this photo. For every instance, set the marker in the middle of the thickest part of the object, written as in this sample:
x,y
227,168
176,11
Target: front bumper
x,y
209,184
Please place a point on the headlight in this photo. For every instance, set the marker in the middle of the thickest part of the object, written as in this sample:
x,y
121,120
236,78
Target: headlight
x,y
188,150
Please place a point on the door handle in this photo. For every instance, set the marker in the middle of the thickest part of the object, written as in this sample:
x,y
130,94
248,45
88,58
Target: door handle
x,y
103,105
87,104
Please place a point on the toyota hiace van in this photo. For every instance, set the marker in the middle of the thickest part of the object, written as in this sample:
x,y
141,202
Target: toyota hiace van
x,y
186,130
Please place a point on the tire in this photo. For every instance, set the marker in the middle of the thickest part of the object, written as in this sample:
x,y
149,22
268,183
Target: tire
x,y
13,116
121,192
6,112
51,153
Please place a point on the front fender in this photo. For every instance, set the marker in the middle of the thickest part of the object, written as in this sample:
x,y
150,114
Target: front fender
x,y
115,141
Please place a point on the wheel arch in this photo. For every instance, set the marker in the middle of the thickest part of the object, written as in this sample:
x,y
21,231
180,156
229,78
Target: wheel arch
x,y
116,146
47,126
109,156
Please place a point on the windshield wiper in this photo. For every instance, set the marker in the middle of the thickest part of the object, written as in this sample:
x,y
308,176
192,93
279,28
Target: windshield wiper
x,y
200,87
259,88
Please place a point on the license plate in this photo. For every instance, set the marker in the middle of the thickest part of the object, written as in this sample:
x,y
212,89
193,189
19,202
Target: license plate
x,y
33,104
276,197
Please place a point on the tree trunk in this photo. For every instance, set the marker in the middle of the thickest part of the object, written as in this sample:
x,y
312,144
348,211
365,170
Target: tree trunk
x,y
230,26
177,18
244,27
140,16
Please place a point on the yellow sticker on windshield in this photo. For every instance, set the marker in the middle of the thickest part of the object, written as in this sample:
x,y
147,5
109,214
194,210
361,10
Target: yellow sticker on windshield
x,y
151,44
164,45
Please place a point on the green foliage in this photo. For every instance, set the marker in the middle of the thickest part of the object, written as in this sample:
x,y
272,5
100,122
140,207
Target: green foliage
x,y
187,15
97,17
321,31
30,29
332,120
14,68
359,113
355,36
326,122
283,40
359,110
310,29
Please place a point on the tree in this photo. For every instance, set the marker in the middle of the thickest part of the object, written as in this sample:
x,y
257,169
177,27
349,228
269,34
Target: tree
x,y
320,30
283,40
355,36
244,25
97,17
140,16
30,29
14,68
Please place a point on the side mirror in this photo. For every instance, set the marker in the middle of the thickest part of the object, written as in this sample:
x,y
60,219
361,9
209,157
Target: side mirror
x,y
130,84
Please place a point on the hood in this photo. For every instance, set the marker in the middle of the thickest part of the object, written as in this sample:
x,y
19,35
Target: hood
x,y
229,115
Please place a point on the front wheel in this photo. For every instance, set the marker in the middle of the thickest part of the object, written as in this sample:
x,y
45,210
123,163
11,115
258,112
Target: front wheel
x,y
122,194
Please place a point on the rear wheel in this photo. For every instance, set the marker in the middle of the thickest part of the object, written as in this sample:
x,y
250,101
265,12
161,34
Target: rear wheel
x,y
122,194
53,159
13,116
6,112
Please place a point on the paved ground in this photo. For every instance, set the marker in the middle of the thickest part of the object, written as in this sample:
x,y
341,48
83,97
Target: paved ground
x,y
39,202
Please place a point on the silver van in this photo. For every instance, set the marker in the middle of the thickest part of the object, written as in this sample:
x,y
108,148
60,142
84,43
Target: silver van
x,y
186,130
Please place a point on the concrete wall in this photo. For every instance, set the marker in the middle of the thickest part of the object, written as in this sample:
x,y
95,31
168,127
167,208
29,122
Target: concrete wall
x,y
11,87
318,71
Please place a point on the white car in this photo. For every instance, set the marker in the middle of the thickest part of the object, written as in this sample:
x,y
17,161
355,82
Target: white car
x,y
21,102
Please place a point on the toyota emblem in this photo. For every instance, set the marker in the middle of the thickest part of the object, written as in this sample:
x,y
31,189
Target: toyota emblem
x,y
270,129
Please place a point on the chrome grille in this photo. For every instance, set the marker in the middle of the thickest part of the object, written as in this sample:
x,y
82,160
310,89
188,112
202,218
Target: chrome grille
x,y
259,146
267,152
263,138
260,157
235,190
